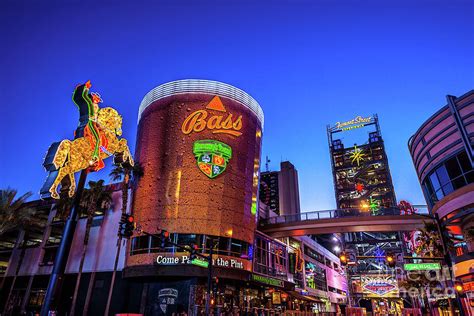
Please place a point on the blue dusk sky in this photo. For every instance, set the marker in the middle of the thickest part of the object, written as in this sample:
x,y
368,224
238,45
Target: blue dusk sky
x,y
308,63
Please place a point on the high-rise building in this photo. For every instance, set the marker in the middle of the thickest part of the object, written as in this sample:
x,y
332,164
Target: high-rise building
x,y
279,190
361,174
363,186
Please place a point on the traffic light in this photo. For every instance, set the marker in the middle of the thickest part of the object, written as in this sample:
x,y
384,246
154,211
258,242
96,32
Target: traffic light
x,y
459,288
164,238
126,226
192,251
215,285
390,260
343,258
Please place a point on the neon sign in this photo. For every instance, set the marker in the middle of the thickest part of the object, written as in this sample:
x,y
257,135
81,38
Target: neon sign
x,y
421,266
406,208
200,120
357,155
217,261
96,138
212,156
357,122
379,286
267,280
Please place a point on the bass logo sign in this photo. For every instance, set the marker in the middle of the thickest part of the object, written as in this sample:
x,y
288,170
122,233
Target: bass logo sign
x,y
212,156
213,118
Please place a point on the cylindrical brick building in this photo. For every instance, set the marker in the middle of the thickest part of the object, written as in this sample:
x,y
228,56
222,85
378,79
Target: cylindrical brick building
x,y
199,143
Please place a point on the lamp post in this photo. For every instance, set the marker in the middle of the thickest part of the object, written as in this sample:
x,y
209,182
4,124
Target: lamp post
x,y
64,247
209,281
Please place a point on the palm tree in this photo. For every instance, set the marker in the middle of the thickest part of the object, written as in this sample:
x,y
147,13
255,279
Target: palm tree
x,y
122,172
15,215
429,241
94,199
63,206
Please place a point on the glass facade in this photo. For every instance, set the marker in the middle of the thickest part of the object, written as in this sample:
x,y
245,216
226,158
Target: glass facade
x,y
270,257
449,176
225,246
316,277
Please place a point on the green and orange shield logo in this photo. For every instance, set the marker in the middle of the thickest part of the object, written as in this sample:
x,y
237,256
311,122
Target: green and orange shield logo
x,y
212,156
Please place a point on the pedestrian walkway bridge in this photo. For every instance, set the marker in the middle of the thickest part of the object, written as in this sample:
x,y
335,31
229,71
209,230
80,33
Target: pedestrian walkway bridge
x,y
343,221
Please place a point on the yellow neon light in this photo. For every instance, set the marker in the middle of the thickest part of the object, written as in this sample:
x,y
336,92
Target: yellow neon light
x,y
357,155
77,155
357,120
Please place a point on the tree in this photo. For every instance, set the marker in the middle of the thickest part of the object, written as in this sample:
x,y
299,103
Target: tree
x,y
430,244
122,172
429,241
63,206
15,214
95,198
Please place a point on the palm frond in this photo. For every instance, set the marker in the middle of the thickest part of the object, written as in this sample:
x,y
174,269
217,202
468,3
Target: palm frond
x,y
14,214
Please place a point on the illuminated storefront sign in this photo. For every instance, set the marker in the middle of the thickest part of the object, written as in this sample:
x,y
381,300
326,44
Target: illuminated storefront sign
x,y
379,286
421,266
212,156
201,119
357,122
276,298
267,280
219,261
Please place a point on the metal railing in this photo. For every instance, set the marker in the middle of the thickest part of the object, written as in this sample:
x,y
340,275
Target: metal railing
x,y
340,213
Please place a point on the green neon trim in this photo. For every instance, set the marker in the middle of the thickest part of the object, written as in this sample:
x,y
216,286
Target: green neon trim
x,y
254,208
422,266
200,263
90,109
212,146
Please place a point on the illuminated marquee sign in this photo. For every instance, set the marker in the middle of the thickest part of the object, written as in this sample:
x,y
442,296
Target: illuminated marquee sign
x,y
212,156
200,120
219,261
422,266
357,122
380,286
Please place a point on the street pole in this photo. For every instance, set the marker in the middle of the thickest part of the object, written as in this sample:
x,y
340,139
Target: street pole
x,y
64,247
209,281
